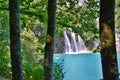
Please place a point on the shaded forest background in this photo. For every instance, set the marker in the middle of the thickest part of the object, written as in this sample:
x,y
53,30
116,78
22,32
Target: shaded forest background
x,y
33,14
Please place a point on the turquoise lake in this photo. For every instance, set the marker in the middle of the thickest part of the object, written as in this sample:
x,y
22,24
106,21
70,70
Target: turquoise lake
x,y
85,66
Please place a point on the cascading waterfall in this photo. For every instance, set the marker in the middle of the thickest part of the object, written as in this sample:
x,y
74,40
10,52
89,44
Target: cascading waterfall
x,y
117,36
67,47
75,48
73,43
80,44
72,40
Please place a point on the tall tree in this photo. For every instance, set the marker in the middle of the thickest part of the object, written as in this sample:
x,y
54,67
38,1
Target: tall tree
x,y
16,58
107,38
50,39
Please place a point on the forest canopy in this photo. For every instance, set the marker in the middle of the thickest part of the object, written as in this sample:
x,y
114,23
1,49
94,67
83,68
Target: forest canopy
x,y
83,19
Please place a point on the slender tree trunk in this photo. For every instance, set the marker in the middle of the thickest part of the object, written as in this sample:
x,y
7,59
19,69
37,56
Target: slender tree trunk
x,y
15,49
107,37
50,39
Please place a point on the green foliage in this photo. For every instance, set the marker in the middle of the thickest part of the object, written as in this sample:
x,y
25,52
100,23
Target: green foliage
x,y
58,71
35,8
35,71
117,15
3,5
4,48
82,19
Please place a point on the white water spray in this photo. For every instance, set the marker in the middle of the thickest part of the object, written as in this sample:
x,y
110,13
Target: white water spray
x,y
72,43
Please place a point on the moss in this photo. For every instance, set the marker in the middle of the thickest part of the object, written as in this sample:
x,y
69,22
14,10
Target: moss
x,y
106,36
49,39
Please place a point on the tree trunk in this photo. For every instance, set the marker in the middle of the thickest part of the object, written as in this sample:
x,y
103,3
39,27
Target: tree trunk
x,y
16,58
50,39
107,38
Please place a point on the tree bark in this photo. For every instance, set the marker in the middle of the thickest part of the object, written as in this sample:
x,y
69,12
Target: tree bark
x,y
16,58
50,41
107,38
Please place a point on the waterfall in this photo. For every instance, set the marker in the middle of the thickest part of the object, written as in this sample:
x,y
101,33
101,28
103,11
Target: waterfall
x,y
73,43
72,39
117,36
80,44
67,45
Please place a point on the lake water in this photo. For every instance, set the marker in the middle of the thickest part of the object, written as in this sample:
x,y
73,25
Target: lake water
x,y
84,66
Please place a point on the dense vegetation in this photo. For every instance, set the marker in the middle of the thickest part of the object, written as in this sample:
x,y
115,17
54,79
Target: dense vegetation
x,y
33,15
